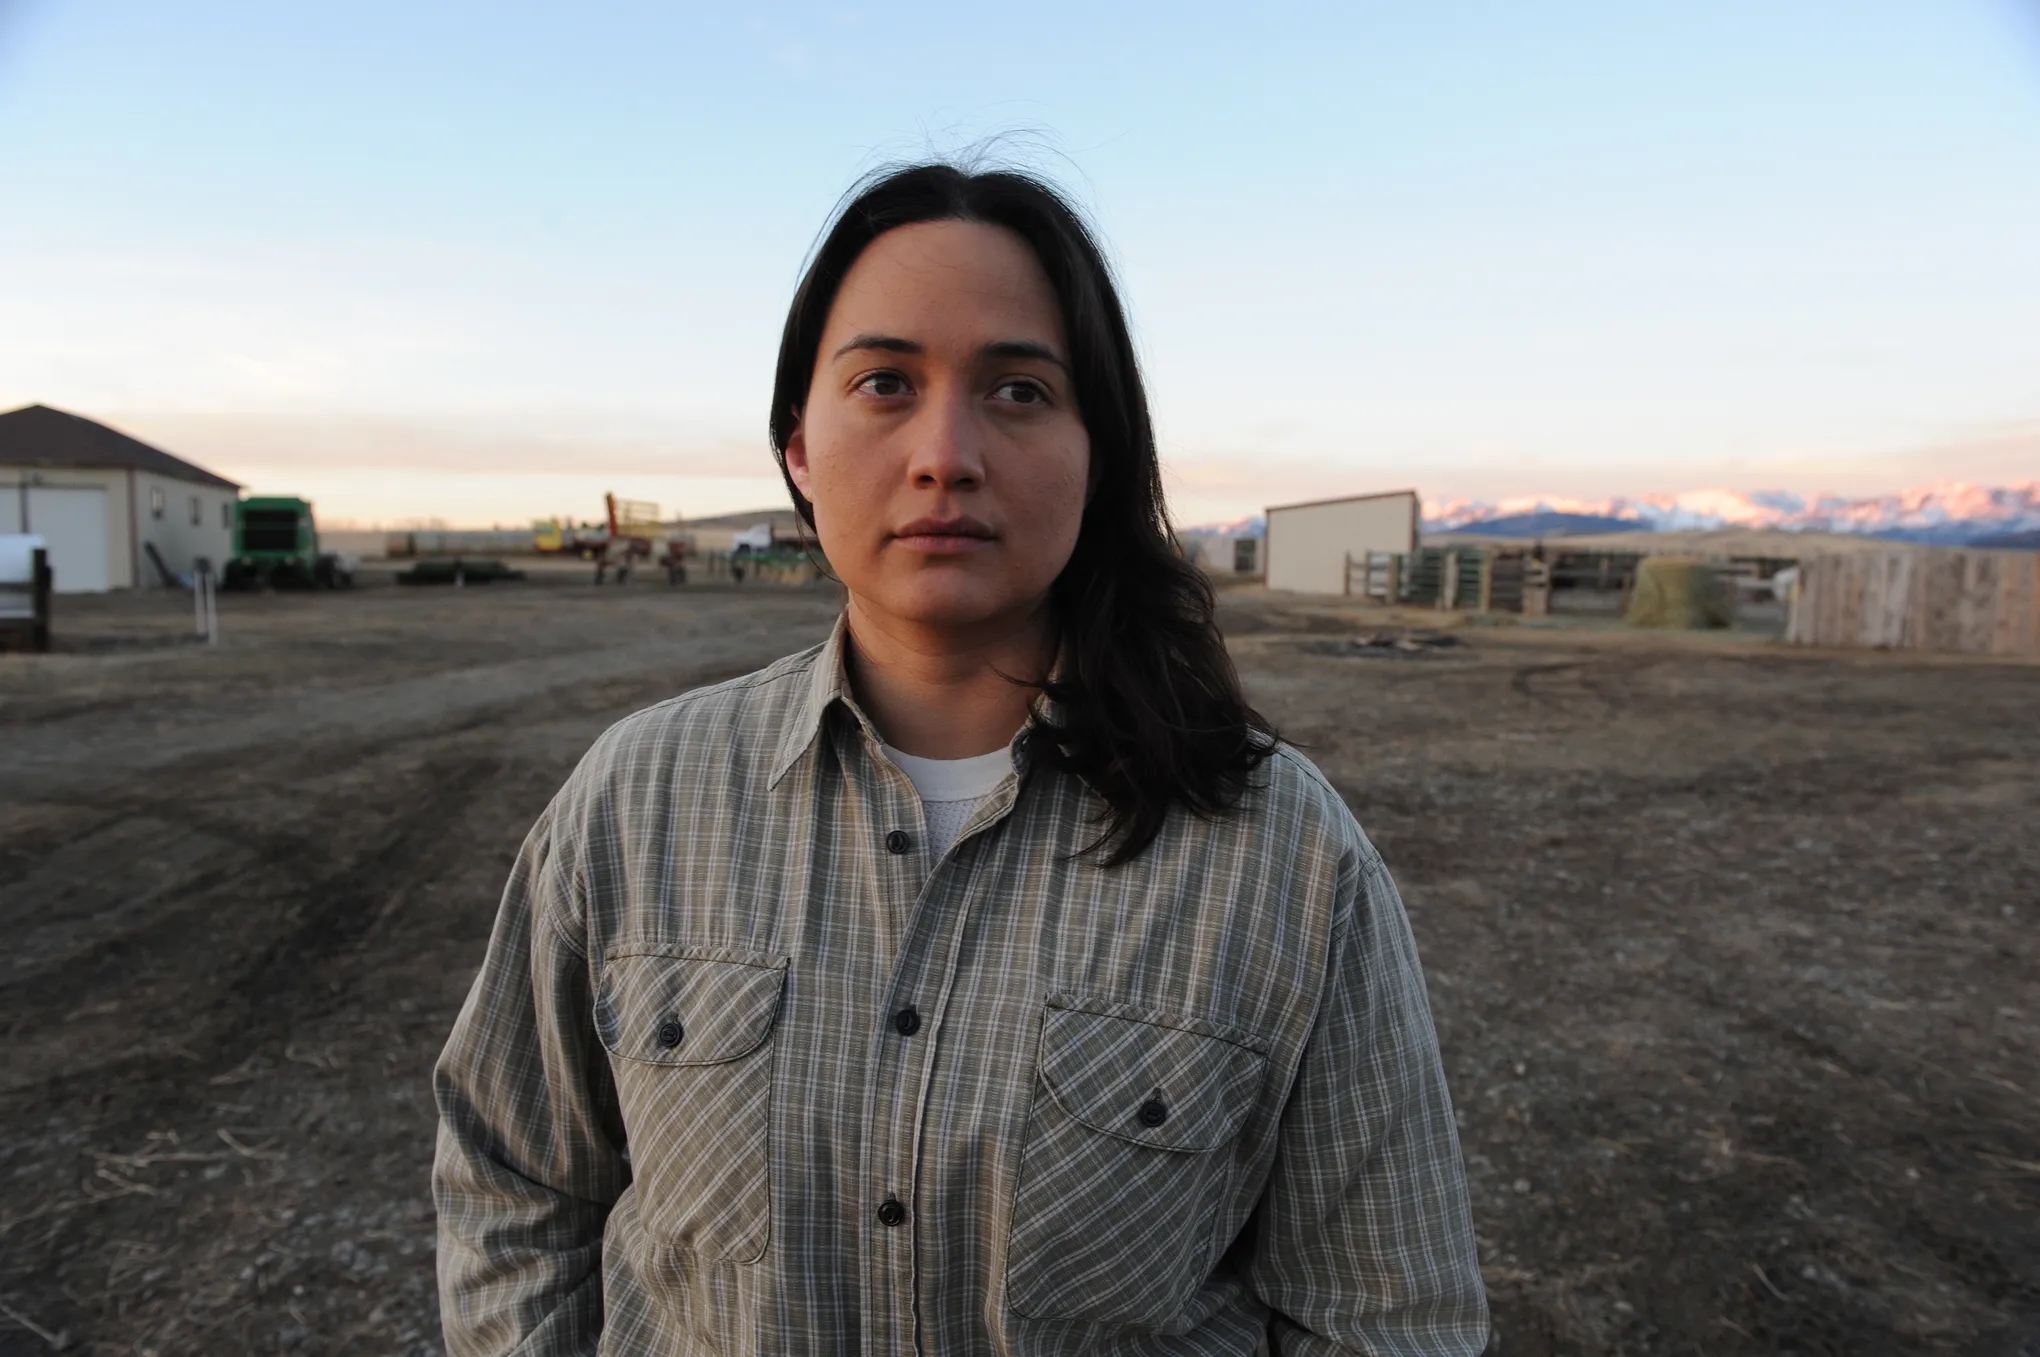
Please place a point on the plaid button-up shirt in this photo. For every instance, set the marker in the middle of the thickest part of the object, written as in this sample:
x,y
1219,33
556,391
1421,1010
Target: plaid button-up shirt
x,y
745,1071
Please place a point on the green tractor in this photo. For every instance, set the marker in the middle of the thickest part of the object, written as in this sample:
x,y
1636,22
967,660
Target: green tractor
x,y
277,544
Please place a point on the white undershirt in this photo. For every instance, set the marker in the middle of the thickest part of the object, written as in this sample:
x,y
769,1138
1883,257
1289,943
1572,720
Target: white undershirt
x,y
951,790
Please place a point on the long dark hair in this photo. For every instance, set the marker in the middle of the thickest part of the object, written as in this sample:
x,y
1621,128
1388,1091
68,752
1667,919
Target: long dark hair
x,y
1147,707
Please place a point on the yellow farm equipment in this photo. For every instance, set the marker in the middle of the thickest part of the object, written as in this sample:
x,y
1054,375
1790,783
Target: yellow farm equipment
x,y
635,532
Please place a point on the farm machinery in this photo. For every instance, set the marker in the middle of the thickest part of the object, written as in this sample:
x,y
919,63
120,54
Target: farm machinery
x,y
635,533
629,535
276,542
765,545
560,537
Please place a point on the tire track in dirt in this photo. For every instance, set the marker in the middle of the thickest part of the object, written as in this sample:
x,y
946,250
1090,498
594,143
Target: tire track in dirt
x,y
1610,681
261,908
86,756
324,903
206,792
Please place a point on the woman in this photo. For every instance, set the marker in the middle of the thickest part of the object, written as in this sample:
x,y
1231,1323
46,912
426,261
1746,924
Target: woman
x,y
988,979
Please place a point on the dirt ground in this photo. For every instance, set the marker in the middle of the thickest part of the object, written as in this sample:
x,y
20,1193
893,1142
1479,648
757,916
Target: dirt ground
x,y
1732,950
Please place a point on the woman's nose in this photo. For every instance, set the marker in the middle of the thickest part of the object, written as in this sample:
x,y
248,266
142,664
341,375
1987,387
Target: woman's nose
x,y
946,453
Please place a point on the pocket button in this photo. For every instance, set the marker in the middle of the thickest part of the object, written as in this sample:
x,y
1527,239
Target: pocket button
x,y
671,1033
1153,1113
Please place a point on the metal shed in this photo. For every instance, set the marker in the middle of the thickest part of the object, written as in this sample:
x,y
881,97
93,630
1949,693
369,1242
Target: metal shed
x,y
1308,544
101,500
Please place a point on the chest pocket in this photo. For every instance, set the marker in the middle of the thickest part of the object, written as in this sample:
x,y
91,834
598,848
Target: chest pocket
x,y
1126,1167
689,1034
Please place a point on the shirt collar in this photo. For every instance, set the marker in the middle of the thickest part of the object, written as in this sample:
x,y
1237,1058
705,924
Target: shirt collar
x,y
828,682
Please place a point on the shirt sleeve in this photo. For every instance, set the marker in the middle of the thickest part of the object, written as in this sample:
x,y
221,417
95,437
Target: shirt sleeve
x,y
531,1151
1363,1241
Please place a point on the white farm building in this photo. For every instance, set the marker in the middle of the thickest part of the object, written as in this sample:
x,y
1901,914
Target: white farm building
x,y
1309,545
100,500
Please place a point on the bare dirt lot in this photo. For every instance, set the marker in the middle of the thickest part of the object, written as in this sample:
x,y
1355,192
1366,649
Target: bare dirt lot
x,y
1733,952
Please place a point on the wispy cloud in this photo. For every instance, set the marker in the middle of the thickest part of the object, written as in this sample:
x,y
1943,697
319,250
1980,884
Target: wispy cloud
x,y
1224,484
363,443
469,469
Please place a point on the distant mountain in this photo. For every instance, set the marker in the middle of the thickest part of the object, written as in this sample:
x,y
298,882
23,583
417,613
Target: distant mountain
x,y
1951,513
1253,525
1545,523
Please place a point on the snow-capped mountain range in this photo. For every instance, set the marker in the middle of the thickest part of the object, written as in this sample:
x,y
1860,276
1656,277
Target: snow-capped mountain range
x,y
1950,512
1953,511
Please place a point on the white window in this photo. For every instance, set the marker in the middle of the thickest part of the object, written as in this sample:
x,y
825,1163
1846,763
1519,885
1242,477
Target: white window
x,y
197,515
155,501
226,515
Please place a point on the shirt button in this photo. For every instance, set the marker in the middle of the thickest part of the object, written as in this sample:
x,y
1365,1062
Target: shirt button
x,y
1153,1113
890,1212
671,1033
896,842
907,1021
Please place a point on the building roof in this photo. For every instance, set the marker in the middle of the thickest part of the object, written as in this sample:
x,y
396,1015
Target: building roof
x,y
1344,499
36,435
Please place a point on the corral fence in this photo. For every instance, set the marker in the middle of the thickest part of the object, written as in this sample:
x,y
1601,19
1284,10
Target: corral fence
x,y
1532,580
1968,601
1466,579
776,567
747,567
782,565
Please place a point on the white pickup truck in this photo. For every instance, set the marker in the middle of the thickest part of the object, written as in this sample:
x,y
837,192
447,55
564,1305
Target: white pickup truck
x,y
758,537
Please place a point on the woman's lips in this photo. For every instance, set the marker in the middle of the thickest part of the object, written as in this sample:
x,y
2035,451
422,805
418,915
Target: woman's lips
x,y
944,536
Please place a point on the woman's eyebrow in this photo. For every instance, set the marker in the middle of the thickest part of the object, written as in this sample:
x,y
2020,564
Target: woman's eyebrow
x,y
998,348
1023,348
886,343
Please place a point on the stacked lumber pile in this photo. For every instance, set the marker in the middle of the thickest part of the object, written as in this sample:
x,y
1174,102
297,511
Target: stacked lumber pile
x,y
1975,602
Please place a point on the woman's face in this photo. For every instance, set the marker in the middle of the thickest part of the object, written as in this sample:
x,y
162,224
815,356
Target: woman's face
x,y
941,445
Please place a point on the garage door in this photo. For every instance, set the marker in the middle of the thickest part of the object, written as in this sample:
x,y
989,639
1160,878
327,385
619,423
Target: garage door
x,y
72,520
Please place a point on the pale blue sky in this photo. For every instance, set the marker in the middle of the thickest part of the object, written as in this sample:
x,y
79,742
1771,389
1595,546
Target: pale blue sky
x,y
483,261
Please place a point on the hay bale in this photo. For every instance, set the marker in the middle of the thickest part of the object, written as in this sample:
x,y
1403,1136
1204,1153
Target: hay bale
x,y
1672,591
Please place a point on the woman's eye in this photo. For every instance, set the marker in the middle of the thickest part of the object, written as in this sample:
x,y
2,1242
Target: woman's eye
x,y
1021,393
884,384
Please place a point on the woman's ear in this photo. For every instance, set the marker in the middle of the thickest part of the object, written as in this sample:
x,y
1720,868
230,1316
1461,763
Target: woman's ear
x,y
796,459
